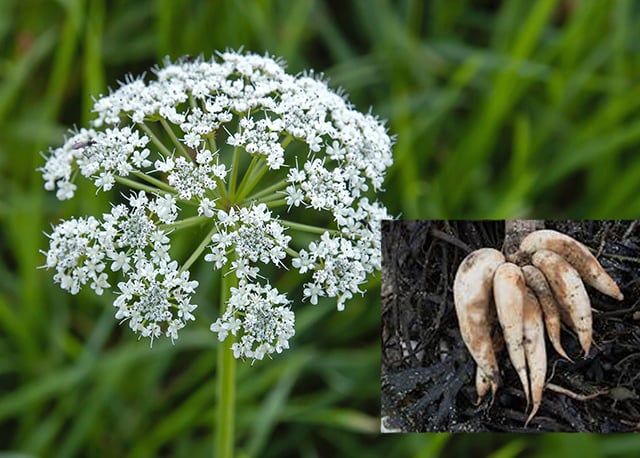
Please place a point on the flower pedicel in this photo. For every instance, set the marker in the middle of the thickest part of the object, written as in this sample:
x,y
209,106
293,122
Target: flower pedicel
x,y
180,142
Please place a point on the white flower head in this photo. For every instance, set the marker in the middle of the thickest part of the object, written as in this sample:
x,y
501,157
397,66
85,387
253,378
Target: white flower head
x,y
237,145
267,321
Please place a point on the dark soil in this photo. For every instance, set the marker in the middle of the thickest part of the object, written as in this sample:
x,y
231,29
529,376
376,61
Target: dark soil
x,y
428,374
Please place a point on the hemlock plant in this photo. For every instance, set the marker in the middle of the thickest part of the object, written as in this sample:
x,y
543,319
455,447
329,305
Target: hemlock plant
x,y
256,156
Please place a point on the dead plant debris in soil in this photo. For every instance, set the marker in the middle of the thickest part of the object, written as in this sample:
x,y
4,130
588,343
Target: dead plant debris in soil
x,y
428,374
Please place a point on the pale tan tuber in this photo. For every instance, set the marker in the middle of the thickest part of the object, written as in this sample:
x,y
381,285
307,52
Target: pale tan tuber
x,y
569,291
534,349
472,292
540,287
509,292
577,255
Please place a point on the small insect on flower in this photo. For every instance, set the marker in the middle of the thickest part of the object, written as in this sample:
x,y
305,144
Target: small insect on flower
x,y
85,144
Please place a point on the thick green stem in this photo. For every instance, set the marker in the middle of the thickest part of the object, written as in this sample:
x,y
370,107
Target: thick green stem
x,y
224,443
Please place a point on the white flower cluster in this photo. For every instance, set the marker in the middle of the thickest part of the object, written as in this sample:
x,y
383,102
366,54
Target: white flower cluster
x,y
234,143
253,234
266,324
156,298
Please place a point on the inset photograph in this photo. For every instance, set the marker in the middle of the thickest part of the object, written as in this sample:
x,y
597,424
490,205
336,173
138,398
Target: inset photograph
x,y
515,326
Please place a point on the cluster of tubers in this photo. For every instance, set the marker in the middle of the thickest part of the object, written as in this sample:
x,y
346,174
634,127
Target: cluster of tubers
x,y
537,287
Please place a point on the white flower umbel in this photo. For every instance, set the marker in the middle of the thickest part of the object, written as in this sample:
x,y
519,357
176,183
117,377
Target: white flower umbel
x,y
278,170
266,324
156,297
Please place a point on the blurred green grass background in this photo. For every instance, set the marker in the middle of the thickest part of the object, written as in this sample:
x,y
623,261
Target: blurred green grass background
x,y
501,110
